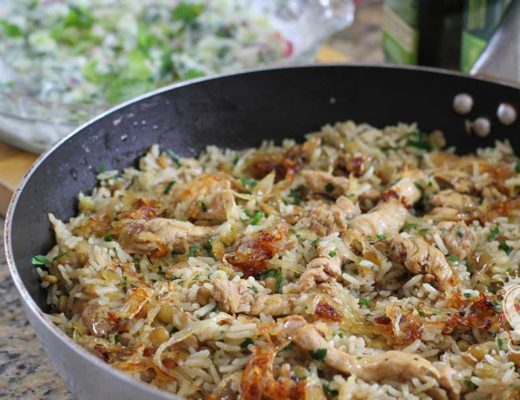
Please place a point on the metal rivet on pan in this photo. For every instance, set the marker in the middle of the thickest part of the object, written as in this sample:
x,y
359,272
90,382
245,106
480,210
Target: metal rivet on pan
x,y
506,114
462,103
482,126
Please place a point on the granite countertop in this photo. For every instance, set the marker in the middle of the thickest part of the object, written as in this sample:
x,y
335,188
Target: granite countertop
x,y
25,372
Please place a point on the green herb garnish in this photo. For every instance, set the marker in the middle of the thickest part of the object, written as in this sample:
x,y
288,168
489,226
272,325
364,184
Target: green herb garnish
x,y
493,233
246,343
453,259
169,187
41,260
175,158
470,384
203,206
278,283
318,354
253,289
517,166
193,251
328,392
364,301
108,238
500,343
419,140
332,254
257,216
248,183
504,246
270,273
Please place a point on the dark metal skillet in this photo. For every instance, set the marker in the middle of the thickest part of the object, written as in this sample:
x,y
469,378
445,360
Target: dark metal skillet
x,y
229,111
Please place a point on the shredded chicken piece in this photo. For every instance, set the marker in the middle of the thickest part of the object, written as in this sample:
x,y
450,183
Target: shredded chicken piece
x,y
406,188
452,199
454,178
163,235
387,218
203,198
446,214
240,297
324,220
458,238
323,269
324,183
421,257
394,365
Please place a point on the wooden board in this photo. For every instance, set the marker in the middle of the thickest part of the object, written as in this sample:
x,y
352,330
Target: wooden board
x,y
14,163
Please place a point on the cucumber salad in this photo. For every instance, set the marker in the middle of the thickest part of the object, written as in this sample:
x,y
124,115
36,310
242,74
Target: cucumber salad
x,y
107,51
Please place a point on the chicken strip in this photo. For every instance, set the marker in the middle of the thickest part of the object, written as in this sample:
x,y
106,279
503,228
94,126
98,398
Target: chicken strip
x,y
326,184
242,298
323,269
460,240
460,181
163,235
325,220
452,199
421,257
394,365
407,188
386,219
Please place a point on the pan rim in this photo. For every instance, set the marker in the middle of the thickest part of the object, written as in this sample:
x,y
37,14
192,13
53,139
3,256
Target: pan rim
x,y
28,301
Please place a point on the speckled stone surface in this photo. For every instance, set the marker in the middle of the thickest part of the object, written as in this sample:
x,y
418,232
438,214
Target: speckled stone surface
x,y
25,372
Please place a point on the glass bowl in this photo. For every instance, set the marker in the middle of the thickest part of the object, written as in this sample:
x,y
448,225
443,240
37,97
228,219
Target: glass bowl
x,y
34,124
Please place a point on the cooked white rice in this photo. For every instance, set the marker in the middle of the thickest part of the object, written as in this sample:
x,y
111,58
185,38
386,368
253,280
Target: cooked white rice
x,y
146,300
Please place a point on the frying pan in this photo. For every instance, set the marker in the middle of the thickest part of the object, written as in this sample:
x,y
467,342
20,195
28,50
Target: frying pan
x,y
234,111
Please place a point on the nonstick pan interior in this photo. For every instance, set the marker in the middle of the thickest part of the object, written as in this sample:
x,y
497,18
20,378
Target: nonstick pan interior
x,y
238,111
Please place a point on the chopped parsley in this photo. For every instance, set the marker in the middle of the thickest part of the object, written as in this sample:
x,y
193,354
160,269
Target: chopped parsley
x,y
453,259
381,236
278,283
117,339
60,255
315,242
246,343
108,238
504,246
500,343
328,392
257,216
248,183
102,168
203,206
194,250
467,295
41,260
419,140
175,158
329,187
418,185
253,289
297,195
517,166
470,384
318,354
493,233
169,187
332,254
364,301
270,273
